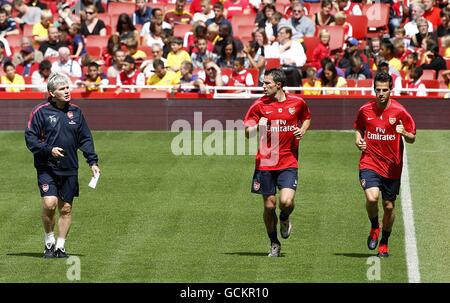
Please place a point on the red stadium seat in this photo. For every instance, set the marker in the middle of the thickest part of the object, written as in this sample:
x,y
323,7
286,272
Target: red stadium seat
x,y
447,61
106,18
359,24
313,8
428,74
310,44
443,86
94,51
365,83
431,84
245,40
377,16
180,30
336,33
272,63
352,83
27,30
121,7
242,20
255,75
245,30
440,75
97,40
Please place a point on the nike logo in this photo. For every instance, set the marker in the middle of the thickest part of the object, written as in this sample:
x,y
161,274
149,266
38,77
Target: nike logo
x,y
368,119
269,112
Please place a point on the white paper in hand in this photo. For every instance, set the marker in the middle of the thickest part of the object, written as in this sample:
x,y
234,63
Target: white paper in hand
x,y
94,181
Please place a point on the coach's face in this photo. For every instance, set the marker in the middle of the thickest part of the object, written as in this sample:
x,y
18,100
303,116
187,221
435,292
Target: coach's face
x,y
269,86
61,93
382,91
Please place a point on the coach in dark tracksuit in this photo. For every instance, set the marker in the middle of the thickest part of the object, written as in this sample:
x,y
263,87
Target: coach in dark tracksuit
x,y
55,131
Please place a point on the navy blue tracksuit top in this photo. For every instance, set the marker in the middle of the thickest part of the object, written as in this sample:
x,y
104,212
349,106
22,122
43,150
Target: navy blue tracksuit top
x,y
49,127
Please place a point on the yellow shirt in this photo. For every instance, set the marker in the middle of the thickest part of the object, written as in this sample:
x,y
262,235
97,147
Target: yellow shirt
x,y
340,83
170,78
39,30
395,63
447,52
317,83
139,54
18,79
175,60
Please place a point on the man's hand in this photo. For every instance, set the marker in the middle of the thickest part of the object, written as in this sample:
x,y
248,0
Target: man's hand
x,y
299,132
361,144
95,170
263,121
58,152
400,128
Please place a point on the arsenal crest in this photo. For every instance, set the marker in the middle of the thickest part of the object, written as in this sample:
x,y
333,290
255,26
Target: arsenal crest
x,y
45,188
52,119
392,120
70,115
256,185
291,110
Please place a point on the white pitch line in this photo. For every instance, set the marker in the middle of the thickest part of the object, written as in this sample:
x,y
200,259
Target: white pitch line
x,y
412,258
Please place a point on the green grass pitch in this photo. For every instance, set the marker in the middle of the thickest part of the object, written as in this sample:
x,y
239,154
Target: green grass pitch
x,y
157,217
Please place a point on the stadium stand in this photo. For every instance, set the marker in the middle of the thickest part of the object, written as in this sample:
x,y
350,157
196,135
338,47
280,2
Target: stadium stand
x,y
359,24
377,17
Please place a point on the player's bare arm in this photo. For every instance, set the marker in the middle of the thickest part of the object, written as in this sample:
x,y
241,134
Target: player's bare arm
x,y
250,130
409,137
299,132
360,142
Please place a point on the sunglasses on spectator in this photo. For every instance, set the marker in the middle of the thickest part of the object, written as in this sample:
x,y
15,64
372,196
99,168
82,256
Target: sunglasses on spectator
x,y
90,13
210,68
297,10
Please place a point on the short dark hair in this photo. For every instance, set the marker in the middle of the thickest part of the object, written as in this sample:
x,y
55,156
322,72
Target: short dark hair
x,y
8,63
218,5
158,63
382,77
129,59
277,75
45,64
93,64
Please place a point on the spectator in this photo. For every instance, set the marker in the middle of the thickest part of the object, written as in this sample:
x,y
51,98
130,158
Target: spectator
x,y
92,25
129,76
206,12
311,81
399,33
445,43
330,79
219,17
324,17
162,76
188,78
37,3
78,44
27,65
322,50
228,55
358,70
167,36
275,21
423,33
116,67
143,12
93,80
301,25
387,53
236,7
65,19
254,54
112,46
292,56
81,5
126,29
211,76
418,9
349,7
212,33
409,64
66,65
240,75
19,57
27,15
225,34
178,15
134,51
202,53
40,30
7,25
40,77
340,20
383,66
50,48
154,35
351,51
12,78
199,32
373,51
3,57
431,58
432,12
147,65
416,83
400,51
177,54
266,21
324,62
444,28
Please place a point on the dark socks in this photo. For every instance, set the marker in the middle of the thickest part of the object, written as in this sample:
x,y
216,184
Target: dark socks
x,y
283,216
374,222
273,237
385,237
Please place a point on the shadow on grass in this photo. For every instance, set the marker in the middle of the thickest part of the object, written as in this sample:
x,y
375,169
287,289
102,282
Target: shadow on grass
x,y
355,255
35,255
248,253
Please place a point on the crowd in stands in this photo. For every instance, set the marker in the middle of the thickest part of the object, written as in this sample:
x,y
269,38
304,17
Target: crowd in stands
x,y
193,45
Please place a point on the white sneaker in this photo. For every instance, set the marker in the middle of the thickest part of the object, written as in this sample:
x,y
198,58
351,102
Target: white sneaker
x,y
275,250
285,228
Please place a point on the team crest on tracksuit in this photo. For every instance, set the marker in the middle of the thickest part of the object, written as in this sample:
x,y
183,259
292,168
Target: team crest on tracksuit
x,y
45,188
256,185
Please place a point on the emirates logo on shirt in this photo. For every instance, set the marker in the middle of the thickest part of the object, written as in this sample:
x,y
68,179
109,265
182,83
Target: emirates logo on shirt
x,y
392,120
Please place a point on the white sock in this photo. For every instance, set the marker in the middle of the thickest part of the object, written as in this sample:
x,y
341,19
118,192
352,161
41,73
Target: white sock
x,y
49,238
60,243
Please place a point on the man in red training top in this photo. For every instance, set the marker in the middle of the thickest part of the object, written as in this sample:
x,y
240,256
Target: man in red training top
x,y
282,120
380,126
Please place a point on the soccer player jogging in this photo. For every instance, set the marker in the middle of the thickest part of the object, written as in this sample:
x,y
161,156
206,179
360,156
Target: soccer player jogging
x,y
56,130
282,120
380,126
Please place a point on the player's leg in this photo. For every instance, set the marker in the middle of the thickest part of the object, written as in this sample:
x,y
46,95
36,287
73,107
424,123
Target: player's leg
x,y
287,182
68,190
270,218
371,182
390,190
48,191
